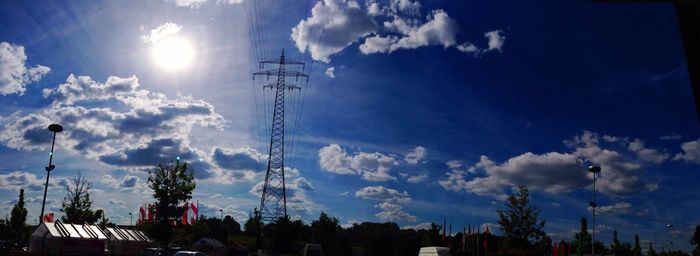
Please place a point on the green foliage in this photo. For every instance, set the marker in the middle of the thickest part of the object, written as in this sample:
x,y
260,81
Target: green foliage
x,y
283,236
18,218
432,236
172,185
583,239
519,221
231,226
652,252
615,245
77,205
254,226
323,231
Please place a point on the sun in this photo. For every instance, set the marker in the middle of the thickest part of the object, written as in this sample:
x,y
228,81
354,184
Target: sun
x,y
173,53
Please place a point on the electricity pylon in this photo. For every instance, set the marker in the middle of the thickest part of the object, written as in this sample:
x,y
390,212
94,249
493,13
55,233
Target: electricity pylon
x,y
273,203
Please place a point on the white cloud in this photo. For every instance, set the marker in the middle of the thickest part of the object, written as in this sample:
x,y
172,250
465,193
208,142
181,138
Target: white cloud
x,y
370,166
332,26
647,154
440,29
417,178
296,190
127,183
552,172
116,123
416,155
17,180
330,72
691,152
393,212
161,32
14,75
381,193
194,4
621,207
350,224
496,40
671,137
420,226
454,164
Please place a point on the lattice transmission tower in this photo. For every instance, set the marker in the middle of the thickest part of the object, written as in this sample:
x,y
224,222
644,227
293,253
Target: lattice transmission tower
x,y
273,202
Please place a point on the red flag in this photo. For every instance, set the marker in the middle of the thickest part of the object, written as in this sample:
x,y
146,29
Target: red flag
x,y
192,220
195,210
184,215
486,237
151,212
555,248
142,213
48,217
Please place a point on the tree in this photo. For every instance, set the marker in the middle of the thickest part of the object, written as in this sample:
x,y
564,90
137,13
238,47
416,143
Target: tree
x,y
283,235
637,250
324,231
231,225
652,252
172,185
583,239
519,221
695,241
77,204
253,226
615,246
18,218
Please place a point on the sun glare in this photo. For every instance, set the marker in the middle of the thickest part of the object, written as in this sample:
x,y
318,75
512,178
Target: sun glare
x,y
173,53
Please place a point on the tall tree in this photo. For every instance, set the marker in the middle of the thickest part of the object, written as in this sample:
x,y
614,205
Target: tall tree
x,y
324,231
520,221
172,185
18,218
254,226
583,238
695,241
615,246
77,205
637,250
652,252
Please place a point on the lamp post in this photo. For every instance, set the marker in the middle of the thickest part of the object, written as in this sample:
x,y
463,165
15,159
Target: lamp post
x,y
131,219
222,214
670,234
55,128
593,169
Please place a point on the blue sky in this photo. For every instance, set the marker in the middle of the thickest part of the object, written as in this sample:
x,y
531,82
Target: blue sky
x,y
414,110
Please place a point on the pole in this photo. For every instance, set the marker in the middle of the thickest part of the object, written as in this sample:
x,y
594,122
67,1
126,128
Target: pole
x,y
222,214
48,173
131,219
594,205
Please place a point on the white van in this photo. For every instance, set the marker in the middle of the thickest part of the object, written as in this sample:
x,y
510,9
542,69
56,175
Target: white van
x,y
313,250
434,251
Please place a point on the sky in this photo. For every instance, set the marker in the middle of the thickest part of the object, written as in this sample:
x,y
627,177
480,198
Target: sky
x,y
415,111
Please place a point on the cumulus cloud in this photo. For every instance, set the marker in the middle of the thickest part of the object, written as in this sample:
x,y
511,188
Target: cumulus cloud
x,y
194,4
370,166
416,178
17,180
332,26
671,137
330,72
238,159
337,24
647,154
161,32
14,74
381,193
296,189
115,122
128,182
552,172
416,155
691,152
393,212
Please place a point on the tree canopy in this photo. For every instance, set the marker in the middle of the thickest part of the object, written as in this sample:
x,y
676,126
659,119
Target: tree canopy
x,y
18,218
172,185
77,205
520,222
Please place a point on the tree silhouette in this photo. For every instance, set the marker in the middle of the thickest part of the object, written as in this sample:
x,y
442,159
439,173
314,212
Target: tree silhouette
x,y
254,226
77,205
652,252
18,218
583,238
637,250
324,231
695,241
172,185
519,221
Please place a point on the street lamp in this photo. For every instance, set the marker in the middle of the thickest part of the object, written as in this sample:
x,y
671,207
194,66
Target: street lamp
x,y
593,169
131,219
222,214
55,128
